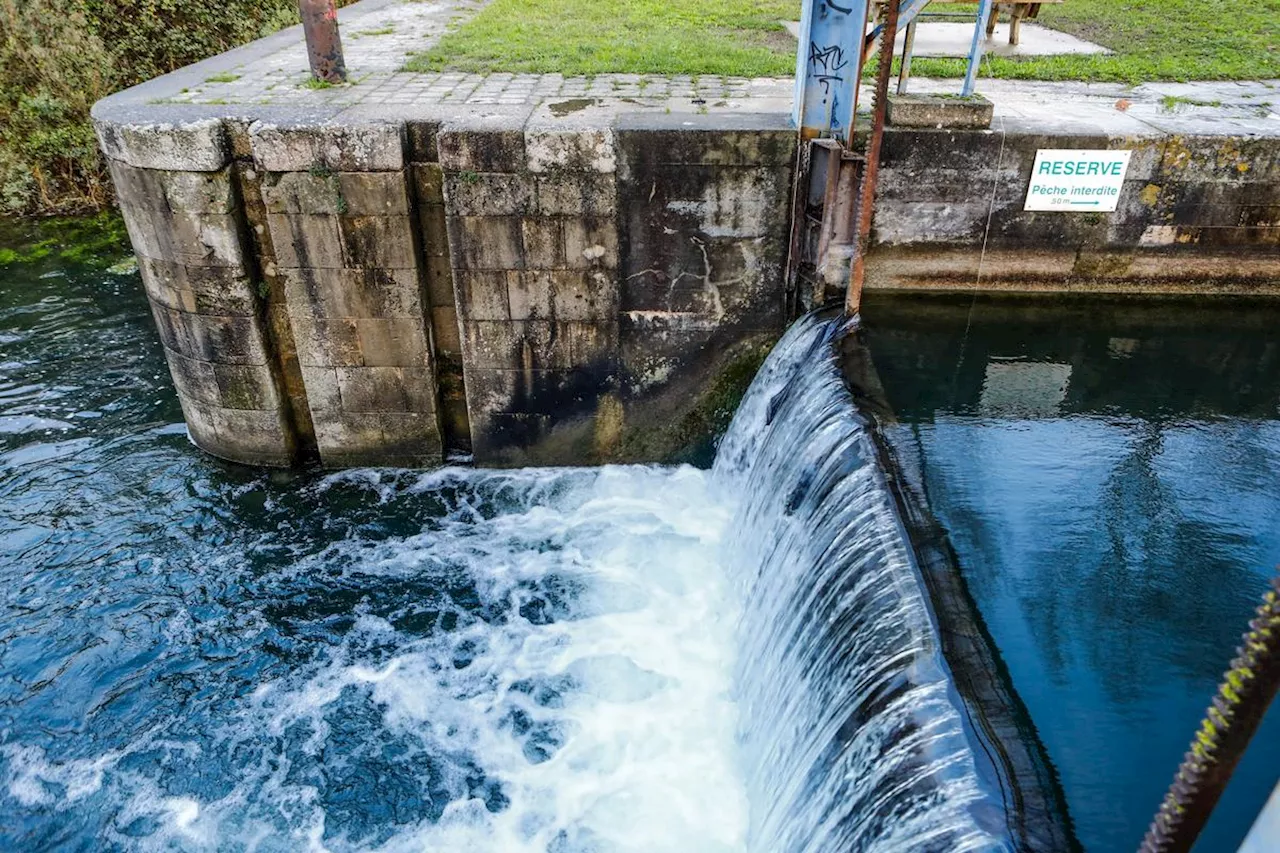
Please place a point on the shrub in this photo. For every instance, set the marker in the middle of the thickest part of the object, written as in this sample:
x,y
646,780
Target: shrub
x,y
57,57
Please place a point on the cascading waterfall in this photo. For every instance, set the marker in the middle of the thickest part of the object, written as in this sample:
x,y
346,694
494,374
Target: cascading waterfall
x,y
632,658
852,736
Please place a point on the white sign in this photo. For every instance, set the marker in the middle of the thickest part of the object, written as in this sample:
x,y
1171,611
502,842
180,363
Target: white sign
x,y
1076,181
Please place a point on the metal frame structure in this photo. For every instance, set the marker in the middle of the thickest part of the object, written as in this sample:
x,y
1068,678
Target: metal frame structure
x,y
835,38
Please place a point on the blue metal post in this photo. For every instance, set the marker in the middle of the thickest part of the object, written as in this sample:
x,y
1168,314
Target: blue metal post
x,y
828,66
975,49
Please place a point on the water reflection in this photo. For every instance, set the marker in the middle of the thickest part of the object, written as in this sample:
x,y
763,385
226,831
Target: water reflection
x,y
1109,474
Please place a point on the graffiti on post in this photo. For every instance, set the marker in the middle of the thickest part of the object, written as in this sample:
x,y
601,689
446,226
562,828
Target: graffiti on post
x,y
826,65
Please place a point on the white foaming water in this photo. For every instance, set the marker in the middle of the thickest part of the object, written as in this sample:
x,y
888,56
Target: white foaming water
x,y
571,661
605,717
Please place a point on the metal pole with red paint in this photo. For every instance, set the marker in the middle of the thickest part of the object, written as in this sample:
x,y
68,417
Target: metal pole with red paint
x,y
324,44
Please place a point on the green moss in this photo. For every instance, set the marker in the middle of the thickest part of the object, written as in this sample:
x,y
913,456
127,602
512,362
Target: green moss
x,y
222,77
692,435
99,241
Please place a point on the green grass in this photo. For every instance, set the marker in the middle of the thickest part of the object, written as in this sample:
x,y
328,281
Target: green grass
x,y
222,77
1152,40
380,31
733,38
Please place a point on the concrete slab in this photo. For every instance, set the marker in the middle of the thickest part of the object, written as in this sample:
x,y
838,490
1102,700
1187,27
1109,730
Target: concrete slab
x,y
949,38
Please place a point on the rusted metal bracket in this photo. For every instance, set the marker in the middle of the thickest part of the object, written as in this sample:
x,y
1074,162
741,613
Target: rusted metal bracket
x,y
324,43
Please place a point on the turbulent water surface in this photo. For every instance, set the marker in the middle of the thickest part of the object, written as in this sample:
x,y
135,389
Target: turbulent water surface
x,y
199,656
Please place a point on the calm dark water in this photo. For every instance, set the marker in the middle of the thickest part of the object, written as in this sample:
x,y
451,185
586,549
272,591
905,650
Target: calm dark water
x,y
1109,476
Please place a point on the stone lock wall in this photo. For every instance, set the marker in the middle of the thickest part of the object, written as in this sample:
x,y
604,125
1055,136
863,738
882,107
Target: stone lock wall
x,y
564,284
1197,214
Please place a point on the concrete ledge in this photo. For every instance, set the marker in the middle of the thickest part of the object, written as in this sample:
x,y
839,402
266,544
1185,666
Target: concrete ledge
x,y
939,111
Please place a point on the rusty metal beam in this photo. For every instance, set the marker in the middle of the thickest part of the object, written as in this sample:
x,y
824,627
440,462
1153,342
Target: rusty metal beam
x,y
871,167
324,44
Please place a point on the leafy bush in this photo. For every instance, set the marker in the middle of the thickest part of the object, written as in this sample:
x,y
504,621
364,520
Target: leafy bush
x,y
57,57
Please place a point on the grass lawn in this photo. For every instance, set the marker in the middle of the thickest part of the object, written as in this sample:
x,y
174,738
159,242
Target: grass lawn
x,y
733,38
1152,40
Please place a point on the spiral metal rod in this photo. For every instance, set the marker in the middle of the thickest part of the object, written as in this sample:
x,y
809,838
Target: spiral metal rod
x,y
1233,717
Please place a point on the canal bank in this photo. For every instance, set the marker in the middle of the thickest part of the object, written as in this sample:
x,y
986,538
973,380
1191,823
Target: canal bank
x,y
537,269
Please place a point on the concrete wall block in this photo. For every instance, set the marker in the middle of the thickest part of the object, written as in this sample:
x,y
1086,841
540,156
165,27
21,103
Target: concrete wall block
x,y
656,345
193,378
224,291
374,193
591,243
378,242
951,186
920,150
445,334
187,146
205,239
423,147
1196,159
306,241
200,192
474,150
577,150
204,337
248,436
1212,204
482,294
286,149
489,193
518,345
393,342
332,294
543,240
374,147
138,189
1014,227
644,148
577,194
198,290
558,395
302,192
246,386
529,295
439,276
572,295
402,439
428,183
897,222
435,231
592,346
740,203
166,284
387,389
486,243
323,394
325,343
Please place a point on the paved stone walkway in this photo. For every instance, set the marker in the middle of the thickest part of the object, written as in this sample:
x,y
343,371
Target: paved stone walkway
x,y
381,35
